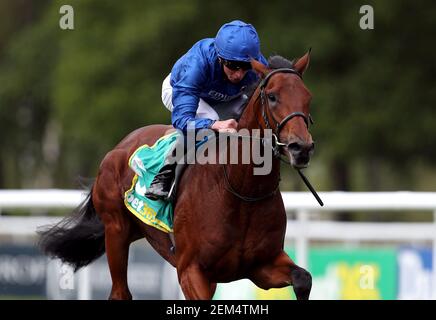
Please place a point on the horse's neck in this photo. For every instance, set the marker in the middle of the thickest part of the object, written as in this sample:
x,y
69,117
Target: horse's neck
x,y
249,118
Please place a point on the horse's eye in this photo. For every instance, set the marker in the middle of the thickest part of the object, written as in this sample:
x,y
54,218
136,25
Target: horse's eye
x,y
272,97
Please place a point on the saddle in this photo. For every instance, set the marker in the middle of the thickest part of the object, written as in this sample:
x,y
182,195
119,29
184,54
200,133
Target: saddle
x,y
232,109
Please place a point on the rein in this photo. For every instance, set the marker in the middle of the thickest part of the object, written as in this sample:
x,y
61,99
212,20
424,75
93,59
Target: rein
x,y
276,144
230,189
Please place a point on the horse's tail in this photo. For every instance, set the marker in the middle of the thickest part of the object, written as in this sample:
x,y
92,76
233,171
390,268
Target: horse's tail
x,y
77,239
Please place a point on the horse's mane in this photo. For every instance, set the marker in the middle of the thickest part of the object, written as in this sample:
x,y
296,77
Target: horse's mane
x,y
274,62
277,62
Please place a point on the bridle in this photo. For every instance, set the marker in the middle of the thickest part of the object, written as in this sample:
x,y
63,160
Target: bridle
x,y
266,110
276,144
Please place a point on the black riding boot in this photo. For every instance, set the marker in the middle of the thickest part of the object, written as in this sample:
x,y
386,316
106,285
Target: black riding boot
x,y
161,184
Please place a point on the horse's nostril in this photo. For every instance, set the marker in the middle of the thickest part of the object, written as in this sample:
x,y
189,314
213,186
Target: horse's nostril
x,y
294,147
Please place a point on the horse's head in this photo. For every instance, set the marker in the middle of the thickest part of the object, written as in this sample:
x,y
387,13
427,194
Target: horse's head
x,y
285,106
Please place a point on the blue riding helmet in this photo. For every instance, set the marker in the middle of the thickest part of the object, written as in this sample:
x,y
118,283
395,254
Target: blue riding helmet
x,y
237,41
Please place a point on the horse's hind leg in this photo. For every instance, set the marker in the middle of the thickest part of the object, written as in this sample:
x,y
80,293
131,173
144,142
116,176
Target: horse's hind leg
x,y
118,236
117,251
283,272
119,229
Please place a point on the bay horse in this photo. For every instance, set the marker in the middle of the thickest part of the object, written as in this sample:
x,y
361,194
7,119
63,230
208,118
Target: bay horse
x,y
219,235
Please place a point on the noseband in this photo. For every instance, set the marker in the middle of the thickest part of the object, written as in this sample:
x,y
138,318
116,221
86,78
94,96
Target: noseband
x,y
265,106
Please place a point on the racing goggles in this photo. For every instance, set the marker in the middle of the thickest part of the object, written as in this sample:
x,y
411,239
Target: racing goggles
x,y
236,65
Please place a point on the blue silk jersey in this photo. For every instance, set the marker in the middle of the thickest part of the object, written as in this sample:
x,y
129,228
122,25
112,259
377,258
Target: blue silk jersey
x,y
198,74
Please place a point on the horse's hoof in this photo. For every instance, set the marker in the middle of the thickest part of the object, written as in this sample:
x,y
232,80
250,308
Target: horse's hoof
x,y
302,283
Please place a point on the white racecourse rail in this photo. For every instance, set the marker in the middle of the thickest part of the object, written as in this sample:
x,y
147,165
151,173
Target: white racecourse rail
x,y
301,229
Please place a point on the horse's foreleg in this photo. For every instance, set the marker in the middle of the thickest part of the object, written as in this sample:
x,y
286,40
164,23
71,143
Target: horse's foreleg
x,y
283,272
195,284
117,251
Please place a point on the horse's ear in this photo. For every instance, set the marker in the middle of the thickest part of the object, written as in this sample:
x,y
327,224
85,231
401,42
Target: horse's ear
x,y
303,63
261,69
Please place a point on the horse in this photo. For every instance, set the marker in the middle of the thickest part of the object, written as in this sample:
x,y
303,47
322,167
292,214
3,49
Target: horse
x,y
221,234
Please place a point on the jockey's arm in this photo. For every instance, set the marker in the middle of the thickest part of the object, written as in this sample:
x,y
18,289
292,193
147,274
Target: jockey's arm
x,y
188,77
183,114
185,99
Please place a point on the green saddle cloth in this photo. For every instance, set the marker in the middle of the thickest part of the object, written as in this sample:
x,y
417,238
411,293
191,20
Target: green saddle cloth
x,y
146,161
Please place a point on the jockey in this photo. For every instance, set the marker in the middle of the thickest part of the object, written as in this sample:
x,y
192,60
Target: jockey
x,y
213,71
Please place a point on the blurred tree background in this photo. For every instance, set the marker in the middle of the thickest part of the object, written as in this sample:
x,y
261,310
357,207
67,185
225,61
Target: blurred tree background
x,y
68,96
